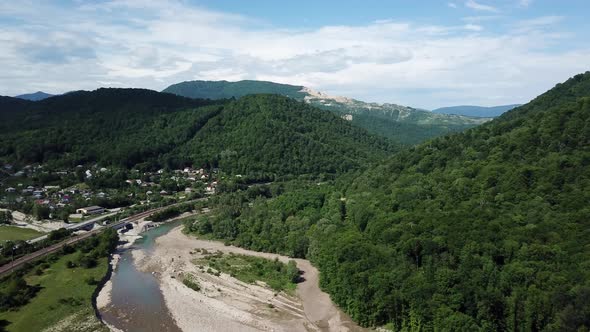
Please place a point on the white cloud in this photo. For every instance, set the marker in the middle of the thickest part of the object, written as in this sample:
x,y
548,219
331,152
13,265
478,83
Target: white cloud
x,y
452,5
154,44
525,3
479,6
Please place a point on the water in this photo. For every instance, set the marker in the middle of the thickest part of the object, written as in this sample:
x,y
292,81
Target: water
x,y
137,304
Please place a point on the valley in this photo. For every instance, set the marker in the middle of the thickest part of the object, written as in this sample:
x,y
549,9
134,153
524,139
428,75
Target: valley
x,y
308,166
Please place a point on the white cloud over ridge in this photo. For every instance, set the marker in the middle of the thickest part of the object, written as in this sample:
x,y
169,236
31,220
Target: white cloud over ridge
x,y
133,43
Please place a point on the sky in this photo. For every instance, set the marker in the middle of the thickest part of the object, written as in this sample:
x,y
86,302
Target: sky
x,y
424,54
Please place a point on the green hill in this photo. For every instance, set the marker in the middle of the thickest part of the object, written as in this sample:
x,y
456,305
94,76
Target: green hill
x,y
36,96
482,230
405,125
486,230
262,134
226,90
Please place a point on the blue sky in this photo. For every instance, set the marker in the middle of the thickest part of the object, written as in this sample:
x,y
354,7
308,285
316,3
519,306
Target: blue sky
x,y
424,54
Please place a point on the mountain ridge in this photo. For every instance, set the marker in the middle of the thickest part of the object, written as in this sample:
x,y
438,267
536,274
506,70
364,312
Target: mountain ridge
x,y
476,111
153,130
404,124
35,96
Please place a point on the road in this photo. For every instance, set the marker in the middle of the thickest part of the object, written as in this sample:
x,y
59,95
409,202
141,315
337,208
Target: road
x,y
20,262
76,226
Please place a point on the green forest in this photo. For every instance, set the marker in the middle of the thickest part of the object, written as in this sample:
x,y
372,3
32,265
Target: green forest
x,y
267,135
403,125
486,230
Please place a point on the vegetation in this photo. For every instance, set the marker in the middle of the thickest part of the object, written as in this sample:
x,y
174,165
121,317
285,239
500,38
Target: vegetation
x,y
14,233
171,212
12,249
250,269
5,217
190,282
261,135
227,90
404,125
485,230
52,295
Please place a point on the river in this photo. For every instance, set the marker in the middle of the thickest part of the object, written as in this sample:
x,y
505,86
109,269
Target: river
x,y
137,304
147,293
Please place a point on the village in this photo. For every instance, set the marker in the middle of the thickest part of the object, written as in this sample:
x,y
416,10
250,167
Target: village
x,y
36,200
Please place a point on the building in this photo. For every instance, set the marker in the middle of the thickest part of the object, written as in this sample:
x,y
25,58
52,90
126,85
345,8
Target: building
x,y
90,210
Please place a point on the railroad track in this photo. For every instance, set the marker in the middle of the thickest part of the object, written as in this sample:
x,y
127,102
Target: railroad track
x,y
20,262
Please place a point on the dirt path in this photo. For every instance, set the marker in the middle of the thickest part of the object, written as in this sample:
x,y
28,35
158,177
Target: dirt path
x,y
227,304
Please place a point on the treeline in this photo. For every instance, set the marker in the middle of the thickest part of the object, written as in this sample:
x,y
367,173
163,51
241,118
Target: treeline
x,y
481,231
171,212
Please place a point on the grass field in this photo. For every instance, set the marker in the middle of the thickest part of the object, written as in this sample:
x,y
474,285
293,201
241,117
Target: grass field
x,y
12,233
64,301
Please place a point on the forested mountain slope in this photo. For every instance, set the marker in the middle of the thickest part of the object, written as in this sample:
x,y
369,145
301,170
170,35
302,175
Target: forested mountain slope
x,y
477,111
278,135
483,230
226,90
487,230
263,134
404,124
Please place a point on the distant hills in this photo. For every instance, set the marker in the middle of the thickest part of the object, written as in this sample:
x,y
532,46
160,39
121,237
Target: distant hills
x,y
476,111
226,90
259,135
39,95
404,124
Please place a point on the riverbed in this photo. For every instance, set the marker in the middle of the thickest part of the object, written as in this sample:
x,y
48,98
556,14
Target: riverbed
x,y
148,293
134,301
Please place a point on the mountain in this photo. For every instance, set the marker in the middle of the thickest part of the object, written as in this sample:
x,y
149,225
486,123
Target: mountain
x,y
481,230
267,135
226,90
485,230
39,95
476,111
406,125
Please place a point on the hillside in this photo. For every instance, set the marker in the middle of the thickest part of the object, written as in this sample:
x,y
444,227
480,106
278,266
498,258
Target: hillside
x,y
483,230
226,90
476,111
405,125
264,134
10,107
36,96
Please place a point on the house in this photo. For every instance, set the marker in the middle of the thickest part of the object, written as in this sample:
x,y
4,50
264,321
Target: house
x,y
90,210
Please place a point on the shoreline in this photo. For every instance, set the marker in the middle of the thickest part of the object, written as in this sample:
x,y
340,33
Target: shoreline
x,y
102,296
226,304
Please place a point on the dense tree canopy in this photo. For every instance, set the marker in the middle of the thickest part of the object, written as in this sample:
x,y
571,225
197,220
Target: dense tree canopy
x,y
485,230
262,134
